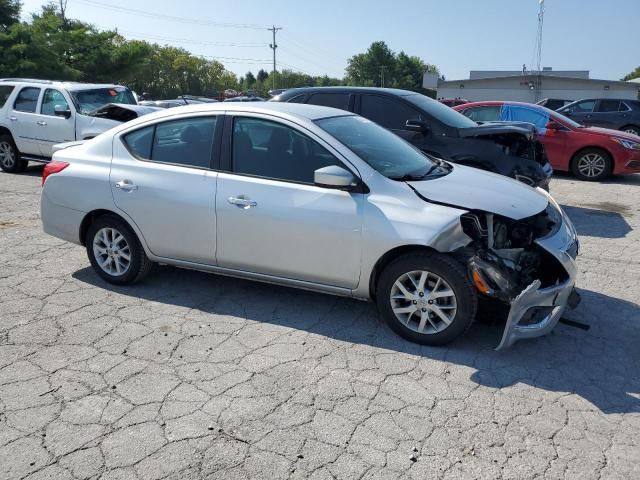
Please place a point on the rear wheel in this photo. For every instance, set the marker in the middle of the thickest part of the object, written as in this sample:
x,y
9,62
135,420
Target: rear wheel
x,y
115,251
631,129
10,160
592,164
426,298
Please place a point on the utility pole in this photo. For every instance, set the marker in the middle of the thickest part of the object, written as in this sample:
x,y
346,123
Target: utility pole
x,y
538,86
382,67
273,47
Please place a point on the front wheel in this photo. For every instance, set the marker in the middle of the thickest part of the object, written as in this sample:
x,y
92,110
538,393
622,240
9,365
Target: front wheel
x,y
631,129
426,298
10,160
115,251
592,164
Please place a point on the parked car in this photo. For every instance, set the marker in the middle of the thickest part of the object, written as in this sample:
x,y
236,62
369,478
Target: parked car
x,y
320,199
452,102
591,153
164,103
553,103
617,114
37,114
510,150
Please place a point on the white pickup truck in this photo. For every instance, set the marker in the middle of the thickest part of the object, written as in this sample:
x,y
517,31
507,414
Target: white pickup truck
x,y
37,114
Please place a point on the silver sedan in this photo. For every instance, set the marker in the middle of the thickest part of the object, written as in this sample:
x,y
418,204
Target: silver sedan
x,y
314,198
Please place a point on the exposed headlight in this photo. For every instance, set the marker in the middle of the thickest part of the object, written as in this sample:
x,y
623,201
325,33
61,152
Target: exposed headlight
x,y
626,143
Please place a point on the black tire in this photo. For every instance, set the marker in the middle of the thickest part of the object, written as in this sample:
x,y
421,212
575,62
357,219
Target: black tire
x,y
631,129
448,270
10,160
139,264
582,156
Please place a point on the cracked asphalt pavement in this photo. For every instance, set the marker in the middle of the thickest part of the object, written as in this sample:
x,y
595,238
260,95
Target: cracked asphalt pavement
x,y
190,375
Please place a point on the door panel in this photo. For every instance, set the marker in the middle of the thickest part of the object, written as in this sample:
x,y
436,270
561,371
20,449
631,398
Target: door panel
x,y
272,219
295,231
173,204
23,120
56,129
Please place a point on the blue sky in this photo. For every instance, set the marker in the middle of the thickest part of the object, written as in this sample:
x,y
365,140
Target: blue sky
x,y
319,36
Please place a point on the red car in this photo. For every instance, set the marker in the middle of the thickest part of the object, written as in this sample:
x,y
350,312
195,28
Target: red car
x,y
591,153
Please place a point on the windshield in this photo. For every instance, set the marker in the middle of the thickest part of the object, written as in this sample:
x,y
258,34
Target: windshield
x,y
382,150
441,112
87,101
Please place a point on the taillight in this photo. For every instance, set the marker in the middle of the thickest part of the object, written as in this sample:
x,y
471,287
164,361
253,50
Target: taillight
x,y
52,167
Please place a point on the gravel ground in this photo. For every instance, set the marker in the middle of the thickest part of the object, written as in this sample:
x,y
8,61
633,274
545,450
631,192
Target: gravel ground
x,y
190,375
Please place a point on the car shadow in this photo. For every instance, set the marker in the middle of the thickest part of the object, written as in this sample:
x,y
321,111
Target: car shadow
x,y
599,365
33,170
632,179
606,220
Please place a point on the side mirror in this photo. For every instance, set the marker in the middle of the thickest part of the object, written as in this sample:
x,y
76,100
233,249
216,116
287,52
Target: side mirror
x,y
334,177
553,125
62,111
416,126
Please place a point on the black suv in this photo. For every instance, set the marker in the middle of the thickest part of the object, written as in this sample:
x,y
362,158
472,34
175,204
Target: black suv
x,y
507,149
617,114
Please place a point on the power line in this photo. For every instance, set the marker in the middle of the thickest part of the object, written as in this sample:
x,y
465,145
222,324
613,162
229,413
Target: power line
x,y
312,50
173,18
194,42
306,60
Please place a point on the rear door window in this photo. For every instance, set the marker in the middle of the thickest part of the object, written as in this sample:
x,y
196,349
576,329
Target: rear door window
x,y
187,142
488,113
608,106
335,100
27,100
388,112
5,92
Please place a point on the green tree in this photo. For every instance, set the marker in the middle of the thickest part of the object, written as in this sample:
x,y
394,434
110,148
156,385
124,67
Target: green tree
x,y
249,79
379,63
262,76
9,13
632,75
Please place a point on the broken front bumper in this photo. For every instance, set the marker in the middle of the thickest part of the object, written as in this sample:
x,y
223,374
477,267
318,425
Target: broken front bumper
x,y
536,311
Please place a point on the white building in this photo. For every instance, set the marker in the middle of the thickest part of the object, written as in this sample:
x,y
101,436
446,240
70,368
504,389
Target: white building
x,y
531,87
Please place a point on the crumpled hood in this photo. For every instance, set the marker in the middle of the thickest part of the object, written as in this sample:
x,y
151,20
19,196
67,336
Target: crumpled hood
x,y
496,128
471,189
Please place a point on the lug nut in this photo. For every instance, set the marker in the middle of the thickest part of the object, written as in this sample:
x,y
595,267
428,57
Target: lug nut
x,y
415,302
421,294
424,309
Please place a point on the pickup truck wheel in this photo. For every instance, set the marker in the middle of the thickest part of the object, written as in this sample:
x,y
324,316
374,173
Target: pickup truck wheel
x,y
426,298
115,252
10,160
592,164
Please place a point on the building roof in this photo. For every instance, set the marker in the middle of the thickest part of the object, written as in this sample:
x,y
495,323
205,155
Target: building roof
x,y
533,77
481,74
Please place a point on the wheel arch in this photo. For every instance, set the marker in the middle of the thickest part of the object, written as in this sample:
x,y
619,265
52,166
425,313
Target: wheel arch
x,y
93,215
633,125
390,256
6,131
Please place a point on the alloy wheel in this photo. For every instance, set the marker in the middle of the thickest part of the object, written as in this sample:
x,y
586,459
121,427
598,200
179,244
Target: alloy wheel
x,y
592,165
423,301
112,252
632,130
7,155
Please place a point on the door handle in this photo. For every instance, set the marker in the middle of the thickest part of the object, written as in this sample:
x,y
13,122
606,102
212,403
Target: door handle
x,y
126,186
13,118
242,202
41,123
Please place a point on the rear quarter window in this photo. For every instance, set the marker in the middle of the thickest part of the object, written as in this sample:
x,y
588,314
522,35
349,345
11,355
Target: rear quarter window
x,y
5,92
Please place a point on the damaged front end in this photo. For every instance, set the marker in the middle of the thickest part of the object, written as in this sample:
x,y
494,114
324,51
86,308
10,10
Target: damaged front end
x,y
527,263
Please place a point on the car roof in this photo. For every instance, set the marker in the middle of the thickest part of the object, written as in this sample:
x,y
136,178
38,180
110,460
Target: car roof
x,y
283,110
70,86
390,91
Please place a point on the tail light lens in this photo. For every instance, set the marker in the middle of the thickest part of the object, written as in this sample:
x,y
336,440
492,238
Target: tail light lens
x,y
52,167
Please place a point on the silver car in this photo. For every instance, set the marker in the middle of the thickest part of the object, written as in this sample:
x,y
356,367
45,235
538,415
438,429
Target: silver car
x,y
320,199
